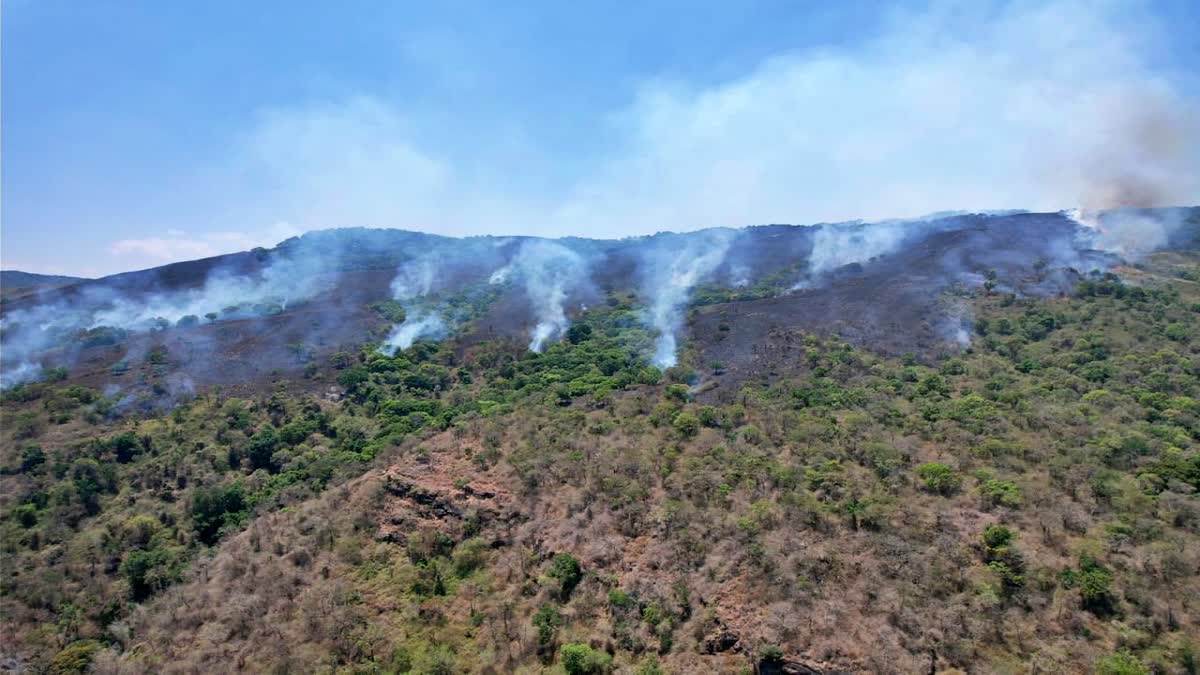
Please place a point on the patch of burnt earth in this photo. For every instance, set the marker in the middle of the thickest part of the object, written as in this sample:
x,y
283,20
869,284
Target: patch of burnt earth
x,y
893,304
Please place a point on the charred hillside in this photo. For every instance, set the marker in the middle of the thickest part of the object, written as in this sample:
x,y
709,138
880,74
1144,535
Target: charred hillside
x,y
251,318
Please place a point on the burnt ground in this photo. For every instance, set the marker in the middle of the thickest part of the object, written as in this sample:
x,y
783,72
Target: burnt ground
x,y
902,302
896,304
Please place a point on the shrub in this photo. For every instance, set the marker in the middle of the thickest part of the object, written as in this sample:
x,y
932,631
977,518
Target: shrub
x,y
686,424
1094,582
260,449
677,392
939,478
580,659
770,654
469,556
883,458
215,509
649,666
1003,558
546,620
149,571
1177,332
125,447
578,333
620,599
567,570
32,457
1001,493
26,515
75,658
997,537
1121,663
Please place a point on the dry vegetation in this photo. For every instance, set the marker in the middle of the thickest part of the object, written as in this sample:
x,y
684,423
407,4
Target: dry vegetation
x,y
1029,505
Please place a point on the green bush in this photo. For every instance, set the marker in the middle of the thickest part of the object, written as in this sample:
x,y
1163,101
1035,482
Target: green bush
x,y
677,392
1003,558
580,659
217,508
1001,493
686,424
149,571
567,570
75,658
1094,582
547,621
939,478
32,458
619,599
996,537
469,556
1121,663
26,515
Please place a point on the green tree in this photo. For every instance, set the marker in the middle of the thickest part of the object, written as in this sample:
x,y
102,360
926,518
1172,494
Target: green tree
x,y
939,478
1121,663
260,449
1094,582
686,424
216,508
149,571
567,570
75,658
580,659
579,332
547,621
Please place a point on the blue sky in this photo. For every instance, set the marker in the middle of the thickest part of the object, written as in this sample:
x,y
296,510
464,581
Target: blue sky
x,y
138,133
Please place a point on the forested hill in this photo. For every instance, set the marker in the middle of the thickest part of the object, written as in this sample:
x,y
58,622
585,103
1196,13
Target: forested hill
x,y
1021,495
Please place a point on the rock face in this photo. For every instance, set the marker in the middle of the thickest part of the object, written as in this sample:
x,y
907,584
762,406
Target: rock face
x,y
786,667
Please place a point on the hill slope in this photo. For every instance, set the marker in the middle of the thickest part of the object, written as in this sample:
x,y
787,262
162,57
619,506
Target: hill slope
x,y
17,279
890,468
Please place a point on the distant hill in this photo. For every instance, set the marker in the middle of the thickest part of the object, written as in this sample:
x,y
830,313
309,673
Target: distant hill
x,y
18,279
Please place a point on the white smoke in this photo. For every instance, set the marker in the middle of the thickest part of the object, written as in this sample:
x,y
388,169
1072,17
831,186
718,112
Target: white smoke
x,y
846,243
548,271
739,276
225,294
416,277
672,268
1129,233
501,275
419,324
28,334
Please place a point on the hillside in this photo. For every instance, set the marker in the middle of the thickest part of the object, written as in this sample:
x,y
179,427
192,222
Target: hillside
x,y
962,444
17,279
15,284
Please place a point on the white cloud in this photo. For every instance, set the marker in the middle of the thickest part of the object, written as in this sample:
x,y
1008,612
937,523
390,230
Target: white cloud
x,y
962,106
1034,106
178,245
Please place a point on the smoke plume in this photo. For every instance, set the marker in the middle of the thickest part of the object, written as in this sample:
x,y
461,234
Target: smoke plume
x,y
29,333
414,280
548,271
672,266
421,323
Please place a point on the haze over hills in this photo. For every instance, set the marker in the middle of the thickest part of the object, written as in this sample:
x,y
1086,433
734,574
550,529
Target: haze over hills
x,y
318,290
